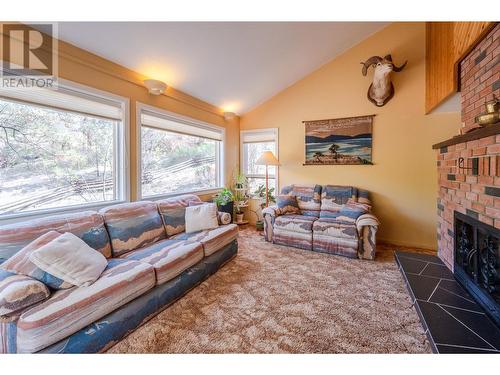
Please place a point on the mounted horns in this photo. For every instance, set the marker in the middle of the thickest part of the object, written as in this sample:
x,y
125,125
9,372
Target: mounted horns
x,y
372,60
394,67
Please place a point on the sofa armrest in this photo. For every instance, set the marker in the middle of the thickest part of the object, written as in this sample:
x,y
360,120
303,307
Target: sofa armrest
x,y
17,292
8,333
271,211
367,226
269,214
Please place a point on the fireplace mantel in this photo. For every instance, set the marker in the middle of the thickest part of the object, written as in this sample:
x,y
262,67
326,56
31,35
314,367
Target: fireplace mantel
x,y
471,136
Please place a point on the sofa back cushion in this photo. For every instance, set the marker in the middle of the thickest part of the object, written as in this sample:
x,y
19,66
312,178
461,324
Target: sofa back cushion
x,y
334,197
132,226
87,225
173,212
308,198
364,197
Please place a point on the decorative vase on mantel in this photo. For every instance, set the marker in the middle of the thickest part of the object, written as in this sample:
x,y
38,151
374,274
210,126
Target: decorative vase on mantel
x,y
492,114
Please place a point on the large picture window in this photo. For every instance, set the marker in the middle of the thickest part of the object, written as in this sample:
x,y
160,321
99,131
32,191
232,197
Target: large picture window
x,y
58,150
178,155
253,144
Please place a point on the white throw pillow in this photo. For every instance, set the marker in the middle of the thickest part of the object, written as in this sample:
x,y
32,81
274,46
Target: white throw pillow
x,y
70,259
201,217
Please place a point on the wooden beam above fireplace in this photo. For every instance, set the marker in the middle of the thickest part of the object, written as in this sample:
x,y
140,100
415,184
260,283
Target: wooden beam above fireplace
x,y
471,136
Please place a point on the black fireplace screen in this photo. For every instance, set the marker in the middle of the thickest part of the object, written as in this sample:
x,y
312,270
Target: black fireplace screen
x,y
477,261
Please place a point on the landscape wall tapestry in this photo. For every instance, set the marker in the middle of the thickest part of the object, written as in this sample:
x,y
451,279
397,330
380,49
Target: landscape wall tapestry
x,y
339,141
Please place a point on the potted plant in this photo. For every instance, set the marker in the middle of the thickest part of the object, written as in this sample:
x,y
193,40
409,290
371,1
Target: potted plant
x,y
240,201
240,181
225,201
261,194
239,214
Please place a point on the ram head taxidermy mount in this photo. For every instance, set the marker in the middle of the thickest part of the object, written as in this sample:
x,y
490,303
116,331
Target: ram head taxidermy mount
x,y
381,90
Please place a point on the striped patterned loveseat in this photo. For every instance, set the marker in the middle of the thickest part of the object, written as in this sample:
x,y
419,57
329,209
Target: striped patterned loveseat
x,y
151,263
333,219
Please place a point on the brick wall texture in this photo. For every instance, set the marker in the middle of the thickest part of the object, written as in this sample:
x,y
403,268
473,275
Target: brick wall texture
x,y
474,191
480,77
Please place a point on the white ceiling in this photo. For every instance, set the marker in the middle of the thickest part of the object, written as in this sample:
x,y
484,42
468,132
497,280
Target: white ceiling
x,y
233,65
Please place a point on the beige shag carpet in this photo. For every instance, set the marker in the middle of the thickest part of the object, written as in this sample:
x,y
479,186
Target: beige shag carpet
x,y
277,299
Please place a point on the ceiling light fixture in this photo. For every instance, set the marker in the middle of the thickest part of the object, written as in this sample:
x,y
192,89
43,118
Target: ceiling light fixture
x,y
155,87
229,115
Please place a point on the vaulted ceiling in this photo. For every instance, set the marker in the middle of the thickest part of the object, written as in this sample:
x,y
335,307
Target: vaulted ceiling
x,y
233,65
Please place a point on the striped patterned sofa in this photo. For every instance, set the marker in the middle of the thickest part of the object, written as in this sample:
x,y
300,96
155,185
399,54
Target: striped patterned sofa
x,y
151,263
333,219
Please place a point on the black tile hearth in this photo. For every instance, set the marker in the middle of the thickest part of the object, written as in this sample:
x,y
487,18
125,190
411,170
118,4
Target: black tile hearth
x,y
484,328
444,349
437,270
445,298
423,257
412,266
423,286
453,321
453,287
448,330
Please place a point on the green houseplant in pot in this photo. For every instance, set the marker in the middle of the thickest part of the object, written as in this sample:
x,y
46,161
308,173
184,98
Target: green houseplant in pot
x,y
240,201
225,201
261,194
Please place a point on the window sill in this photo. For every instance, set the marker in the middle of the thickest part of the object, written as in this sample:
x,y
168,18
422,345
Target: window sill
x,y
271,177
171,195
28,215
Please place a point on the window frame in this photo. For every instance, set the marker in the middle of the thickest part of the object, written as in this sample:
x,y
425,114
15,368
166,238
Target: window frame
x,y
275,132
121,160
219,158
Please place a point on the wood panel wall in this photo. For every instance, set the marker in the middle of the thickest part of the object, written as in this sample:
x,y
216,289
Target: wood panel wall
x,y
466,35
440,75
446,44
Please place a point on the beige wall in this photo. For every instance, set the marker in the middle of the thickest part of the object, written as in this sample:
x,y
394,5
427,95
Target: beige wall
x,y
403,179
83,67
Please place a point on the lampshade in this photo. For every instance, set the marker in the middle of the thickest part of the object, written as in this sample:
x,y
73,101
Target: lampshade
x,y
267,158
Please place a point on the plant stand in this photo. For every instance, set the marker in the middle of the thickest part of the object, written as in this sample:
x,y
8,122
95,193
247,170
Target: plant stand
x,y
240,206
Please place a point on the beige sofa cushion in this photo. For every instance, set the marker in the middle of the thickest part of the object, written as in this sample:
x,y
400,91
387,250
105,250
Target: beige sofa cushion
x,y
212,240
70,259
201,217
168,257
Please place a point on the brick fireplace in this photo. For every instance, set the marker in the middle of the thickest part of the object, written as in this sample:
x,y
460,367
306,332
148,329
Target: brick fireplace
x,y
460,310
471,187
469,164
